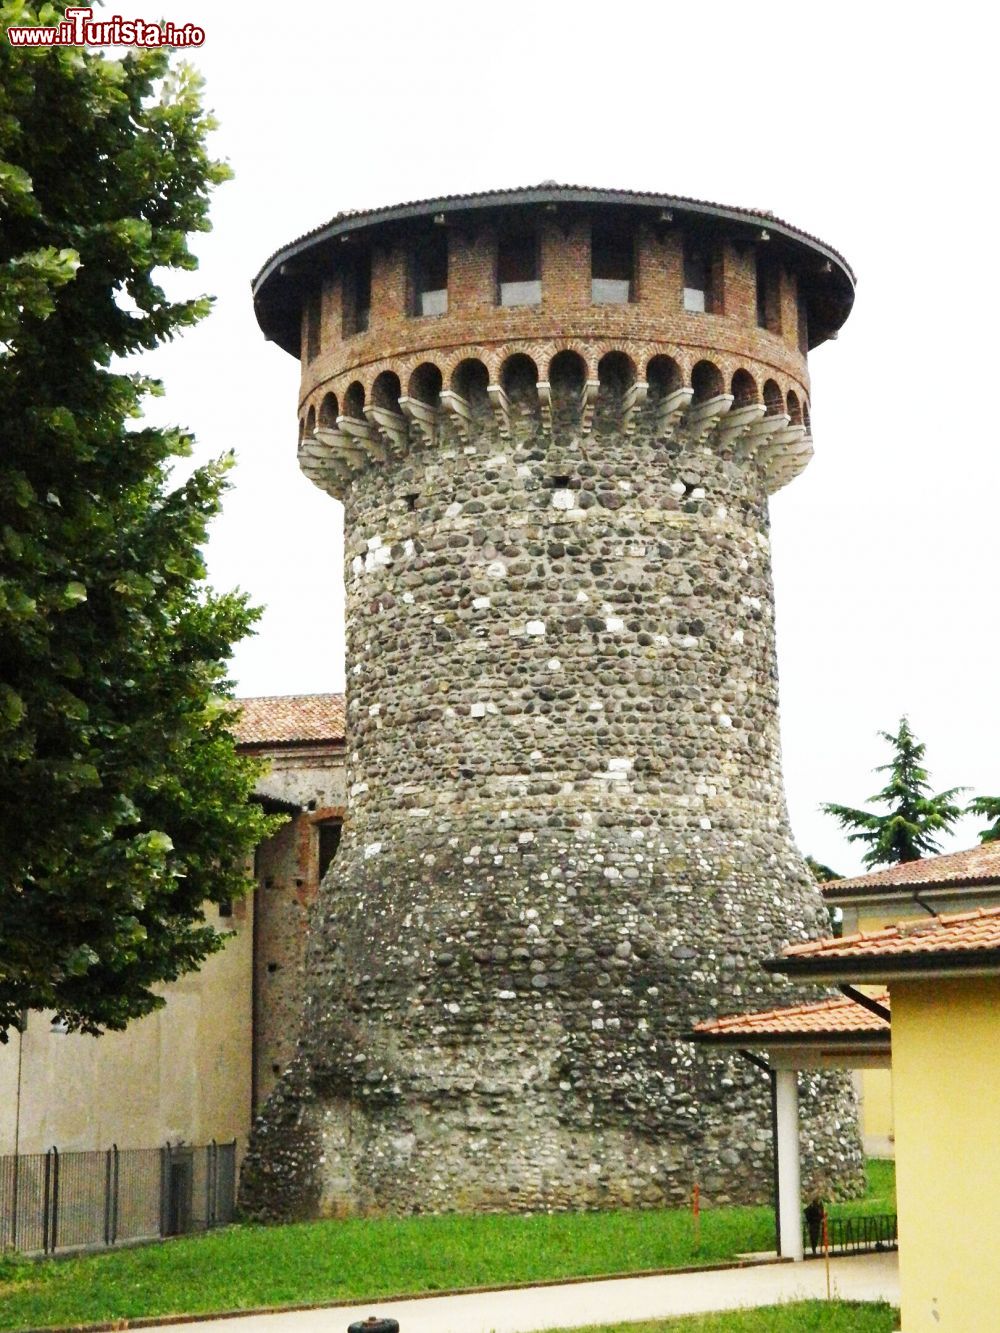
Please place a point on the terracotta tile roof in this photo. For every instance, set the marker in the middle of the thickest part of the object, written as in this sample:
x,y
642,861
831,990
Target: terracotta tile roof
x,y
280,719
835,1017
959,939
977,865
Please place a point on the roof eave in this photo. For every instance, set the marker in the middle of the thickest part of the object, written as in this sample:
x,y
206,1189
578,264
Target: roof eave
x,y
752,1039
850,896
344,226
913,967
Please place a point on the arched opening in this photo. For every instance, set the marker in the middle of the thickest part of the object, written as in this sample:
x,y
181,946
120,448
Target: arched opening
x,y
806,420
329,411
773,400
616,372
663,375
354,401
386,391
743,388
794,408
311,421
302,429
518,377
706,381
470,380
425,384
567,371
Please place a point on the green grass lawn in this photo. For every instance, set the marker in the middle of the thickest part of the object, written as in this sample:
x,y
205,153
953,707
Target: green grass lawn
x,y
802,1317
244,1267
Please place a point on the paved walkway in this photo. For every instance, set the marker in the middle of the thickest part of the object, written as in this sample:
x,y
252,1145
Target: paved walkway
x,y
863,1278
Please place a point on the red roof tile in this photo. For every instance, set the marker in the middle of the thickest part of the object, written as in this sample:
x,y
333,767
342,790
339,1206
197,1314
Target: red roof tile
x,y
837,1016
280,719
977,865
964,933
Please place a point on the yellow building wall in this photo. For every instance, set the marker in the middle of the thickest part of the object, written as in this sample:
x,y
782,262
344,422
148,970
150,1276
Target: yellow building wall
x,y
946,1074
180,1074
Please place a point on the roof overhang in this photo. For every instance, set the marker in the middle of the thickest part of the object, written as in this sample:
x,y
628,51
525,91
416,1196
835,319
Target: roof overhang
x,y
965,895
279,287
912,967
833,1050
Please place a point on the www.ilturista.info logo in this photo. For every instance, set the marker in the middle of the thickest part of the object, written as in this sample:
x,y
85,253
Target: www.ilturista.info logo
x,y
78,28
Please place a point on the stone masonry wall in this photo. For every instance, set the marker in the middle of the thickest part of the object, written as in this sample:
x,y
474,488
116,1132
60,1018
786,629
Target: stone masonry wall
x,y
567,839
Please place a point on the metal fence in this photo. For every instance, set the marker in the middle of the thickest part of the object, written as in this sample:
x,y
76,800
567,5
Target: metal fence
x,y
857,1235
84,1200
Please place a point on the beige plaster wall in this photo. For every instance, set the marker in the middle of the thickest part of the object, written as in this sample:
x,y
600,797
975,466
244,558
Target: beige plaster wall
x,y
182,1073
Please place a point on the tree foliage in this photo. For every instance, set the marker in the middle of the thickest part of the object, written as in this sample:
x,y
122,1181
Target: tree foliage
x,y
913,817
123,802
989,808
821,873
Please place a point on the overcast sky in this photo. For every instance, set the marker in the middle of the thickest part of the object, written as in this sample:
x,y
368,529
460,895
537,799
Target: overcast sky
x,y
865,125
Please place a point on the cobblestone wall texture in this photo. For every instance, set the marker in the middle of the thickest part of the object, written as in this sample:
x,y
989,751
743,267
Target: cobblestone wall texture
x,y
567,839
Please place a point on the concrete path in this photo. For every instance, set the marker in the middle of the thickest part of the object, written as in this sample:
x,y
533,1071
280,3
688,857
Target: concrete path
x,y
863,1278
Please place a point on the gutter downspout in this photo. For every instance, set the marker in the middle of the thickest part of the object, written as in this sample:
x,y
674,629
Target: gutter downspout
x,y
866,1002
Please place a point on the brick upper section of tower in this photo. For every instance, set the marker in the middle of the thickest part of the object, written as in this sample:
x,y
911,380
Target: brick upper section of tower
x,y
394,305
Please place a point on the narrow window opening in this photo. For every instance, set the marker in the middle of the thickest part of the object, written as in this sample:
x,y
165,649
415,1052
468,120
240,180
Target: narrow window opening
x,y
313,321
612,277
272,967
430,276
803,321
697,280
358,295
329,841
226,907
411,500
762,277
768,297
560,483
518,281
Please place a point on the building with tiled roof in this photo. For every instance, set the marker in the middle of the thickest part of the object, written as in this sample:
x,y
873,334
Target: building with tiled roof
x,y
200,1067
909,892
975,868
963,942
287,719
943,976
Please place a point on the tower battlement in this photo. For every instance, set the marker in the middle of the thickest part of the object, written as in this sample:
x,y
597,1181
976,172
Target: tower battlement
x,y
554,418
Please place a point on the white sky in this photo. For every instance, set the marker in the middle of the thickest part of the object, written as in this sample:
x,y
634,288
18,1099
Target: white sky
x,y
871,126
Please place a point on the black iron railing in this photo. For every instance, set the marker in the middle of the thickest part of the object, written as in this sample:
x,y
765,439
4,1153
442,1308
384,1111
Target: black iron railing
x,y
856,1235
85,1200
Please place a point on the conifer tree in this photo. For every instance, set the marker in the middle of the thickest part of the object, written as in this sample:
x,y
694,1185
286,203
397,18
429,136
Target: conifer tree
x,y
989,808
908,828
123,802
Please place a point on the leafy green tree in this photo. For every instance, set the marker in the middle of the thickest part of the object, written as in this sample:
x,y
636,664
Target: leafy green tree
x,y
913,817
123,802
989,808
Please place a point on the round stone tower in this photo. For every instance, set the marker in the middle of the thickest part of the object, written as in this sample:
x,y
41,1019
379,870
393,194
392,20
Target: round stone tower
x,y
553,417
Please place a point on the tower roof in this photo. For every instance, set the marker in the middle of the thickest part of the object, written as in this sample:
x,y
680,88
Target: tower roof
x,y
279,287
